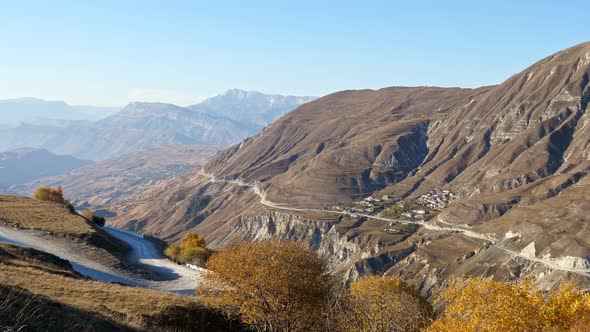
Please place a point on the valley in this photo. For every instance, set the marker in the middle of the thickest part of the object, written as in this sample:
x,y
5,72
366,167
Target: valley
x,y
513,154
26,164
295,167
100,184
435,225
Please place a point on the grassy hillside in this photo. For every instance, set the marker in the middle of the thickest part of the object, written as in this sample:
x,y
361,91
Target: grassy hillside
x,y
42,292
52,217
57,221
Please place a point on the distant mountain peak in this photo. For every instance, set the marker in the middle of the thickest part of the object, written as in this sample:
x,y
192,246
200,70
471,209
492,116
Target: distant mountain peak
x,y
253,107
33,100
238,93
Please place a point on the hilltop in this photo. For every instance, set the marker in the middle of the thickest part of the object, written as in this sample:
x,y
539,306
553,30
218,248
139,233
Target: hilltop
x,y
55,222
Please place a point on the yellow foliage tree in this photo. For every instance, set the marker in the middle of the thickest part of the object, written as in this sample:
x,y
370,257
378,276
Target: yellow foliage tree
x,y
50,194
487,305
172,251
53,195
272,285
568,308
383,304
192,249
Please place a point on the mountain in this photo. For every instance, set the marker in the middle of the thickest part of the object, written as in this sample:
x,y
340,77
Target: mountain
x,y
21,165
502,170
142,125
250,107
100,184
16,111
183,123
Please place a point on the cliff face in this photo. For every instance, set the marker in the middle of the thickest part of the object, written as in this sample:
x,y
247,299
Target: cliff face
x,y
516,155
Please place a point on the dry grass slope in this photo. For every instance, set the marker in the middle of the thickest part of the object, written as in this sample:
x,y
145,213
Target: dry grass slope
x,y
52,217
60,295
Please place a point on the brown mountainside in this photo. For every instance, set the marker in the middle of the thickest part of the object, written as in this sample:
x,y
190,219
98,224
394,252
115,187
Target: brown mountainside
x,y
100,184
515,154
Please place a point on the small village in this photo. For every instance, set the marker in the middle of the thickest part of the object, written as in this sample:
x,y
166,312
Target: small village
x,y
420,209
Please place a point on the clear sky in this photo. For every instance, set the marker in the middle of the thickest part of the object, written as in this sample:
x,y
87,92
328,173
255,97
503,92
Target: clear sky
x,y
112,52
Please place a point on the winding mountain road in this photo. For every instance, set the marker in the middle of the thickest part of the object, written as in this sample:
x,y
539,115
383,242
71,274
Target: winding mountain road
x,y
175,278
172,277
434,227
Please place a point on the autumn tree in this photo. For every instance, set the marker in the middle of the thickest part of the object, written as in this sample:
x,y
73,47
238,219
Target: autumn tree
x,y
192,249
383,304
52,195
49,194
272,285
487,305
172,251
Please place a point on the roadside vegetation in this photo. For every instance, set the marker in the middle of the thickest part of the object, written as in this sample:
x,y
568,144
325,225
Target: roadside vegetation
x,y
192,250
56,195
275,285
285,286
487,305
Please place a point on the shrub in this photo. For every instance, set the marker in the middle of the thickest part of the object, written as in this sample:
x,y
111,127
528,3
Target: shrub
x,y
487,305
386,304
270,285
100,221
192,250
172,251
51,195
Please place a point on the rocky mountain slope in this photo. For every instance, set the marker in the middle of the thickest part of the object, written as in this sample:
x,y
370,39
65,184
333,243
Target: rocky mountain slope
x,y
21,165
141,126
100,184
515,155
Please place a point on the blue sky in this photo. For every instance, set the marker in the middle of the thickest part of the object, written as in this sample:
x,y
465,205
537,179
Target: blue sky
x,y
112,52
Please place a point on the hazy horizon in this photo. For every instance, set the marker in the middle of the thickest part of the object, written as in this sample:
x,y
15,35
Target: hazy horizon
x,y
111,53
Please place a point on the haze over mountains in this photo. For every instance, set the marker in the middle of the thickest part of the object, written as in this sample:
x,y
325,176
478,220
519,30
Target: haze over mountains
x,y
26,164
515,155
109,181
221,120
33,110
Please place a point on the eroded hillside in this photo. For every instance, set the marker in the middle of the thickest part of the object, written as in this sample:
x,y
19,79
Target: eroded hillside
x,y
515,154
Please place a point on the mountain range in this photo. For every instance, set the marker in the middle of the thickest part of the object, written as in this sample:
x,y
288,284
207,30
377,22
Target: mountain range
x,y
26,164
514,157
142,125
100,184
26,110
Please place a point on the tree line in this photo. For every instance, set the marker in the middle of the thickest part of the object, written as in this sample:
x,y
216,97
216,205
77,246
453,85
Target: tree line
x,y
276,285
